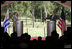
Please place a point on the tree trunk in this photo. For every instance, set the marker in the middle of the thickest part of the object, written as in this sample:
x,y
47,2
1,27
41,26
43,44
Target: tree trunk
x,y
33,17
45,10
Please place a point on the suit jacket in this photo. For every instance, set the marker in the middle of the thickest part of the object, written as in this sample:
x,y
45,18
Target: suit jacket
x,y
53,18
14,19
14,24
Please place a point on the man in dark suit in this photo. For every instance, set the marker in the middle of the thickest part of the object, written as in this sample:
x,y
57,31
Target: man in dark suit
x,y
53,16
15,19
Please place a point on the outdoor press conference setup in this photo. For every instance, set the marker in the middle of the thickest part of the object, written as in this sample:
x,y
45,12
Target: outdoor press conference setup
x,y
51,40
51,25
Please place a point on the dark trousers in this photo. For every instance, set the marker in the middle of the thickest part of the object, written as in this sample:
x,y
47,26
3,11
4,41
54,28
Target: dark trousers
x,y
14,26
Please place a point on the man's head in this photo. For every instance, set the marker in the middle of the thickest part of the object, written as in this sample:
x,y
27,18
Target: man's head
x,y
15,14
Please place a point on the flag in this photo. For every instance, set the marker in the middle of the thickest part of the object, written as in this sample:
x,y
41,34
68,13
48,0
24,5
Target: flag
x,y
6,21
61,23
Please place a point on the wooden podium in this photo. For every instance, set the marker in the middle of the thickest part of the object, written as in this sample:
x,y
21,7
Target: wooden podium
x,y
51,26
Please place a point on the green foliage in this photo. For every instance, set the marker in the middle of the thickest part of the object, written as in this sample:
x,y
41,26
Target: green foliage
x,y
25,8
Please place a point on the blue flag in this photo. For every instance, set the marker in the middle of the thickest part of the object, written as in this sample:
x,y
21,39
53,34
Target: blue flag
x,y
6,22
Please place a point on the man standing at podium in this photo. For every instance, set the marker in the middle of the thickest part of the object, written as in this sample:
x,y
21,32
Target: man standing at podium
x,y
15,19
53,17
51,25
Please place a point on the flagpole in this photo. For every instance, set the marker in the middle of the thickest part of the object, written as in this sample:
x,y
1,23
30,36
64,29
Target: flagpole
x,y
9,28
